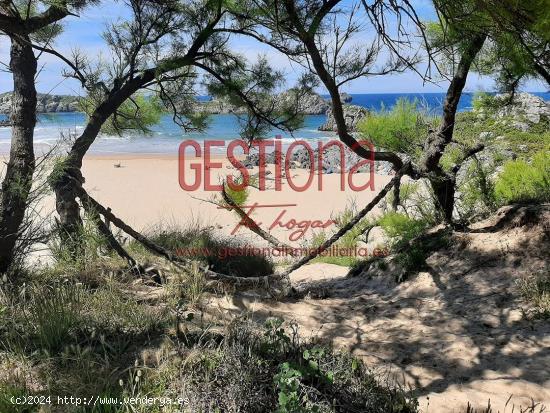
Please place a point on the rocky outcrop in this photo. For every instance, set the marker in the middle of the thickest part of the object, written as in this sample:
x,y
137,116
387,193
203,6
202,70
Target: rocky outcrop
x,y
218,107
310,104
352,113
331,158
46,103
522,112
346,97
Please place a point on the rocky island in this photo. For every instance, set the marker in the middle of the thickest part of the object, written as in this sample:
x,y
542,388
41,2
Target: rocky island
x,y
46,103
311,104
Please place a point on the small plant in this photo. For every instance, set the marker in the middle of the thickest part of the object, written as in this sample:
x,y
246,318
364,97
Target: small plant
x,y
54,312
536,291
521,181
276,341
401,228
287,381
349,241
476,192
239,197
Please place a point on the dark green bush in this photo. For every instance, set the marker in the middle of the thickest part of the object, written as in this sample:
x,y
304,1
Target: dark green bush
x,y
222,254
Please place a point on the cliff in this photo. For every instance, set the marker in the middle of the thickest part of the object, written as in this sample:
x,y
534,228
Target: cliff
x,y
46,103
352,114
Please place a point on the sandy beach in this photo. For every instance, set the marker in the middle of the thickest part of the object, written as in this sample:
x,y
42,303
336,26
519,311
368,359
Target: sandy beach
x,y
144,191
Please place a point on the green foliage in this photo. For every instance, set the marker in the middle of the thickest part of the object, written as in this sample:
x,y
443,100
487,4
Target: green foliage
x,y
55,313
469,126
188,286
112,312
416,201
258,84
347,243
486,101
239,196
138,113
227,255
91,247
400,228
401,129
288,384
59,169
521,181
9,390
404,232
517,37
110,342
450,36
476,191
275,371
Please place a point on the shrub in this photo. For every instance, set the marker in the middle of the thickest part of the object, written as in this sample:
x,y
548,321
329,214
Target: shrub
x,y
484,100
239,197
400,129
416,199
222,254
521,181
349,241
54,312
475,194
400,228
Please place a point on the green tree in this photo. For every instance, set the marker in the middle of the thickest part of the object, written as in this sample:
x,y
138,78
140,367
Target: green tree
x,y
167,49
24,22
319,35
518,46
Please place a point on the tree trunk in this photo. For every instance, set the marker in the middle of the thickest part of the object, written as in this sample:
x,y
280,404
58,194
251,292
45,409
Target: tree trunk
x,y
443,183
69,213
65,185
444,188
20,168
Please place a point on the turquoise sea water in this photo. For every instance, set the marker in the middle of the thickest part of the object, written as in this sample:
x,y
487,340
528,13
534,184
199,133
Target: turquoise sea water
x,y
166,136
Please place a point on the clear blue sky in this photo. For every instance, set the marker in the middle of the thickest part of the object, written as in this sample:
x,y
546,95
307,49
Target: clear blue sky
x,y
84,32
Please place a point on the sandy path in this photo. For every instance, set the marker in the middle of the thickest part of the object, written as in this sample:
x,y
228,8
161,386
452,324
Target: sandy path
x,y
455,333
